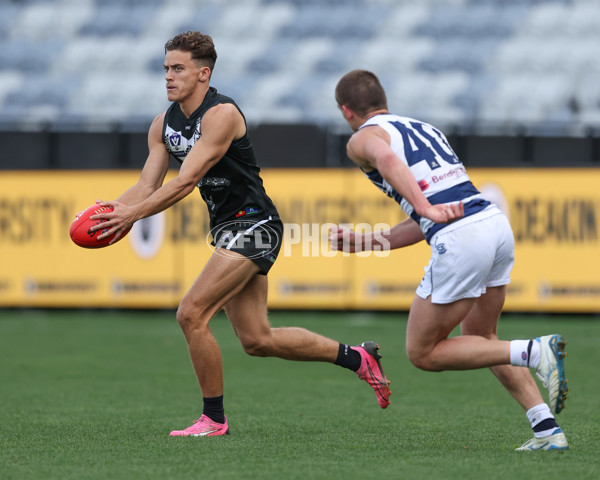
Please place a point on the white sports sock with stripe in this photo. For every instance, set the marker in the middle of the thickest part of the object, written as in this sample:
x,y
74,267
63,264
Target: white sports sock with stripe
x,y
525,353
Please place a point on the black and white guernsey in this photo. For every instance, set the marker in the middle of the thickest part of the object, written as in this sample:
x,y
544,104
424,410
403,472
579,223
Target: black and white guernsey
x,y
232,188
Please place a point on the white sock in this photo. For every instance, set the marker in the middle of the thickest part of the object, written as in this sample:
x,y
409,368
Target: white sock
x,y
537,415
525,353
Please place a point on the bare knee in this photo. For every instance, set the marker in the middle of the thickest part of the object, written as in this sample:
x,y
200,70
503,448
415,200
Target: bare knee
x,y
423,360
191,317
257,346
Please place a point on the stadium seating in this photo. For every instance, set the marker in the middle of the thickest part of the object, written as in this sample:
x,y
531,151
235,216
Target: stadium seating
x,y
459,62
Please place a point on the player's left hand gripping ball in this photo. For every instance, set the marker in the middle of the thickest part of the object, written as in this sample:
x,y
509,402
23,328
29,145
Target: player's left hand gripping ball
x,y
80,228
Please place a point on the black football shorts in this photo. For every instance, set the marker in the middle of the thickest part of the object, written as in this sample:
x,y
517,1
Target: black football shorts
x,y
259,240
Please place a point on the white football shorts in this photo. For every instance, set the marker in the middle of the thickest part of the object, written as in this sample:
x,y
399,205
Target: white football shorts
x,y
468,256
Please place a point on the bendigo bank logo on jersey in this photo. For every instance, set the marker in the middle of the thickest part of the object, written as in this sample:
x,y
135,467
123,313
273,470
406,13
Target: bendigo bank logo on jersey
x,y
452,173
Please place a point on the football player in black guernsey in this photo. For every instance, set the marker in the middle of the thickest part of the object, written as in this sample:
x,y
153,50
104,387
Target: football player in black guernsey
x,y
206,132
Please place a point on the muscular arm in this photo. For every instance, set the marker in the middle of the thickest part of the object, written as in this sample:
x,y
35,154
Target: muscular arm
x,y
403,234
155,169
220,126
370,149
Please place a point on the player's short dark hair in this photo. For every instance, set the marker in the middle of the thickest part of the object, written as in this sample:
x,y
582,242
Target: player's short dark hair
x,y
201,47
361,91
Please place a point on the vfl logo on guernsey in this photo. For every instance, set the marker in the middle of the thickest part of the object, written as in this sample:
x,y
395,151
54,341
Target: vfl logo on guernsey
x,y
175,140
177,144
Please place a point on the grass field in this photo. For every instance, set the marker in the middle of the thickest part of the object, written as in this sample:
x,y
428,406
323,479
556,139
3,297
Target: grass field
x,y
93,395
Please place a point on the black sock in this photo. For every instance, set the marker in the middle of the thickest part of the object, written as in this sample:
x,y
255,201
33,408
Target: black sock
x,y
348,358
547,424
213,409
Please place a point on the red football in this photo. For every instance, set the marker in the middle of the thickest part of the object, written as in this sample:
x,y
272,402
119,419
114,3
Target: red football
x,y
80,228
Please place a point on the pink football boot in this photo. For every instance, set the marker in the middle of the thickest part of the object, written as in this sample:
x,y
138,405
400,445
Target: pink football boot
x,y
203,427
371,372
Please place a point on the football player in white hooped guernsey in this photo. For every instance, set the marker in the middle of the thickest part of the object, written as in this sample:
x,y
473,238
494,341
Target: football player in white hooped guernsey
x,y
472,255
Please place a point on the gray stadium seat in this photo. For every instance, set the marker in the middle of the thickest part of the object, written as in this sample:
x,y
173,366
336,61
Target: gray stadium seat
x,y
464,60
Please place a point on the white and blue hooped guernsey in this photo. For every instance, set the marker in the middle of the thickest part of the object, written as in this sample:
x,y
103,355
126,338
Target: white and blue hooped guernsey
x,y
436,168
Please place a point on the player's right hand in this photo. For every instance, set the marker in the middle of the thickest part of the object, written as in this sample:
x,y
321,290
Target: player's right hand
x,y
445,212
344,239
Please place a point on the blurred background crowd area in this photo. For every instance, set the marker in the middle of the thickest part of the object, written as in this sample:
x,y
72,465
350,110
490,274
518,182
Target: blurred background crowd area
x,y
477,65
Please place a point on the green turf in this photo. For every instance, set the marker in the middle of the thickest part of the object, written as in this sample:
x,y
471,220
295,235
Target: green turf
x,y
93,395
